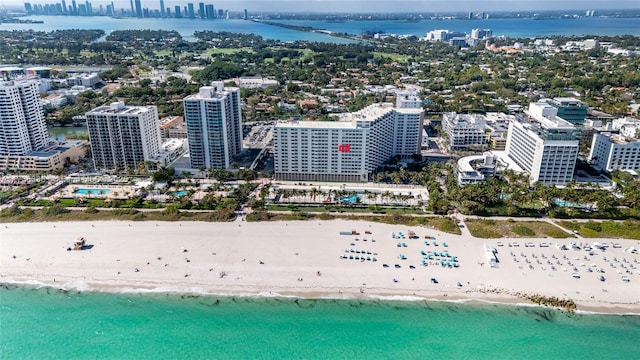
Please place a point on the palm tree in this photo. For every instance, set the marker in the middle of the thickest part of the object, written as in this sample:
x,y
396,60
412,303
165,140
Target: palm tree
x,y
386,195
314,192
605,200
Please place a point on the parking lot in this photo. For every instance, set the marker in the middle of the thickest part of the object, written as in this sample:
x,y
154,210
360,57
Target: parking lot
x,y
258,135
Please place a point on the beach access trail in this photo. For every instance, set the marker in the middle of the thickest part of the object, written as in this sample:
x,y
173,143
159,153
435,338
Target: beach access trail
x,y
311,259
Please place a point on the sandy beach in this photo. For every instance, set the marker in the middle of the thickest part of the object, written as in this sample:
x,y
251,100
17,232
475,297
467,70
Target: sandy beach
x,y
311,259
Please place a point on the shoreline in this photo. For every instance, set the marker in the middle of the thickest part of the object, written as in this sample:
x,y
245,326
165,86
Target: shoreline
x,y
292,260
10,284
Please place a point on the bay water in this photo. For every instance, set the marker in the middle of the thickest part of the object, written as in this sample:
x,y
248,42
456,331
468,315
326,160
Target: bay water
x,y
39,323
500,27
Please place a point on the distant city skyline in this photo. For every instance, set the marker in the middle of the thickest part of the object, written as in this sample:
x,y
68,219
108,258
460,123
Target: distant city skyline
x,y
369,6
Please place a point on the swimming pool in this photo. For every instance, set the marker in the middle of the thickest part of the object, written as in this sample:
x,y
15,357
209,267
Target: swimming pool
x,y
180,193
92,191
563,203
350,199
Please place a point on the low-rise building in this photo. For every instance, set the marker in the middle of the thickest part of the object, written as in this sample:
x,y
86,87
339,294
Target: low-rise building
x,y
86,80
173,127
55,156
628,126
465,131
255,82
497,127
54,101
170,151
478,168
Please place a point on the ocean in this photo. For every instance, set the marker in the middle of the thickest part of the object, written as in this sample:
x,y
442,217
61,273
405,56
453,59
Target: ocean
x,y
501,27
50,323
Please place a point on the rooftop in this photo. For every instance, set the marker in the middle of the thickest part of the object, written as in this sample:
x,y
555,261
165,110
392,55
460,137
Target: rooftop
x,y
216,91
618,139
120,109
567,101
349,120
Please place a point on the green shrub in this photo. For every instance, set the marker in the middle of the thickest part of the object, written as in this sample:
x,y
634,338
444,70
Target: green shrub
x,y
593,226
54,210
138,217
91,210
522,230
258,216
482,232
14,210
557,233
448,226
571,225
587,232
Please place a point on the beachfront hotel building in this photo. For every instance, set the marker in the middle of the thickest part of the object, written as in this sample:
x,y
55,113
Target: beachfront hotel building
x,y
612,151
23,128
546,148
123,136
350,148
214,126
464,131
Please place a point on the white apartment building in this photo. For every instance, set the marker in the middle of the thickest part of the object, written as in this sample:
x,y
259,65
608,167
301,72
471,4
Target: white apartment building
x,y
214,126
442,35
348,149
546,149
611,151
627,126
408,100
255,82
23,128
84,79
465,131
123,136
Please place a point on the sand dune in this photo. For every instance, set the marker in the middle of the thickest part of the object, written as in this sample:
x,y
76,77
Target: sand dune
x,y
304,259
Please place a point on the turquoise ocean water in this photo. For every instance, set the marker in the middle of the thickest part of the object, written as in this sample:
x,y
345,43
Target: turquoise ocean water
x,y
48,323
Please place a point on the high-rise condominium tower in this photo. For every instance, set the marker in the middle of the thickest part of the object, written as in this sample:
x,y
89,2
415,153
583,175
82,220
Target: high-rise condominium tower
x,y
123,136
214,126
22,124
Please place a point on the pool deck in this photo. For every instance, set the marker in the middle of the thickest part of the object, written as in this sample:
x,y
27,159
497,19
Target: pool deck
x,y
114,192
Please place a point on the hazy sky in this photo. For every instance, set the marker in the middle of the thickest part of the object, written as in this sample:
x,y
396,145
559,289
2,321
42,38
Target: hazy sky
x,y
373,5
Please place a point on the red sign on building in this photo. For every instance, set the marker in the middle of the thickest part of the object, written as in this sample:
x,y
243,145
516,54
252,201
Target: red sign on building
x,y
344,148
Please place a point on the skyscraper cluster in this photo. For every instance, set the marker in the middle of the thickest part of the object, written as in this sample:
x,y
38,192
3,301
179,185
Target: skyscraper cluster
x,y
136,9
